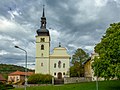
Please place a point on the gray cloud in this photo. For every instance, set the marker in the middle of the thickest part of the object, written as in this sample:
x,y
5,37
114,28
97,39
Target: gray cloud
x,y
74,23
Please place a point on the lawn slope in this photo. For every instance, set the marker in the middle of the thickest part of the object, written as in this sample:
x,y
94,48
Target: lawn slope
x,y
103,85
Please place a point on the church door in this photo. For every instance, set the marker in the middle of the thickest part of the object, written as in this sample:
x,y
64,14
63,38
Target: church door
x,y
59,75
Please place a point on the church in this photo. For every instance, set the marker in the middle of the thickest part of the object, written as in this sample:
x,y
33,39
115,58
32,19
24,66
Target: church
x,y
56,64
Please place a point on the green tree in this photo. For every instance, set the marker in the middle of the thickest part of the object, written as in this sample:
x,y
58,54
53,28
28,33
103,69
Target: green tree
x,y
77,59
108,63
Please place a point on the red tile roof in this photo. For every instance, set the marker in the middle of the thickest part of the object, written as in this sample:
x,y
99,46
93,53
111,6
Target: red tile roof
x,y
21,73
2,78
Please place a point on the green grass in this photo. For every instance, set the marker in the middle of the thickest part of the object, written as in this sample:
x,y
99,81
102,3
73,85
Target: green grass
x,y
103,85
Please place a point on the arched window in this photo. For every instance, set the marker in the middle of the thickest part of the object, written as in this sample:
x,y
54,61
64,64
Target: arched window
x,y
54,65
55,74
63,65
42,47
59,64
41,64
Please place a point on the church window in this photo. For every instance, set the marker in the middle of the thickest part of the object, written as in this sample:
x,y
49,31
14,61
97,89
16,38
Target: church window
x,y
54,74
42,54
63,65
59,64
63,73
42,47
54,65
41,64
42,39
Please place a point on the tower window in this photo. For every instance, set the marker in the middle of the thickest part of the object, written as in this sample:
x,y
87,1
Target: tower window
x,y
41,64
54,65
42,54
42,47
63,65
64,73
42,39
59,64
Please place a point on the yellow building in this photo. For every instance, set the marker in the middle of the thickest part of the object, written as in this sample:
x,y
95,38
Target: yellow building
x,y
56,64
18,76
88,71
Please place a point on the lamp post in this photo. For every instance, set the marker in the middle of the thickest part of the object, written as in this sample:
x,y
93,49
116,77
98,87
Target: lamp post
x,y
97,78
25,65
97,81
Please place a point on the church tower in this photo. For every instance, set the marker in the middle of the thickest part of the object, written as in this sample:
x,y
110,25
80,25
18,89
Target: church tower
x,y
42,48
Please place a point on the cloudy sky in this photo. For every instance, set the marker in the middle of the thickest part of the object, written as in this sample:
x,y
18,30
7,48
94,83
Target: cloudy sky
x,y
74,23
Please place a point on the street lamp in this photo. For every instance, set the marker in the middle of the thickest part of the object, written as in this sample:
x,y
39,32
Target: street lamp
x,y
25,65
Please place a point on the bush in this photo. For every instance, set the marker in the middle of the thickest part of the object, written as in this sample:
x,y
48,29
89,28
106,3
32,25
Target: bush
x,y
8,86
4,86
40,79
47,78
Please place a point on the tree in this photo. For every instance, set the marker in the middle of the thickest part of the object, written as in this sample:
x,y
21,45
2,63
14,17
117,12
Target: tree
x,y
4,86
77,59
108,63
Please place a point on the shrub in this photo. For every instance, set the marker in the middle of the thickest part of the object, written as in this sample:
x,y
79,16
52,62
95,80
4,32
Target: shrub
x,y
4,86
40,79
47,78
8,86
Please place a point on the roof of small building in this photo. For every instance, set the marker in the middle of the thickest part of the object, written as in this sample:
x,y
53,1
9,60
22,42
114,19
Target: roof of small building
x,y
86,61
2,78
21,73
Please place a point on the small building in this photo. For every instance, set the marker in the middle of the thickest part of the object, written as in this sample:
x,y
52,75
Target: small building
x,y
88,69
2,79
18,76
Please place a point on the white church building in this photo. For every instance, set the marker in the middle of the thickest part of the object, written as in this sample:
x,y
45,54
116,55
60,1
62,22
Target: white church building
x,y
56,64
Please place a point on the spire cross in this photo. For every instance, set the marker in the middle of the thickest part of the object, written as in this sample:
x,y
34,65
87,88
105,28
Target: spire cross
x,y
43,5
43,19
59,44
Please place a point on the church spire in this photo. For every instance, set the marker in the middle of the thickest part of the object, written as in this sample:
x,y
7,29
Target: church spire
x,y
43,11
43,31
43,19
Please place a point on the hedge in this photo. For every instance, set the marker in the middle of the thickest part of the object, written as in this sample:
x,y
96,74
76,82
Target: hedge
x,y
40,79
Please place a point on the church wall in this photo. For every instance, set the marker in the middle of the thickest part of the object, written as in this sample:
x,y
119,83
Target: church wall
x,y
46,38
42,65
60,51
45,52
58,69
42,55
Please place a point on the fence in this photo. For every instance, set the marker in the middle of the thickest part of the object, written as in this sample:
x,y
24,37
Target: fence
x,y
76,79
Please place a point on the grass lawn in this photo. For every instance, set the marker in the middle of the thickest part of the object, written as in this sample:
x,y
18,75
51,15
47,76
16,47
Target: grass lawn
x,y
103,85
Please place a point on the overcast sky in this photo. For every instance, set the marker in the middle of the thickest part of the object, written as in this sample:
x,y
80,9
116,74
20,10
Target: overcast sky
x,y
74,23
